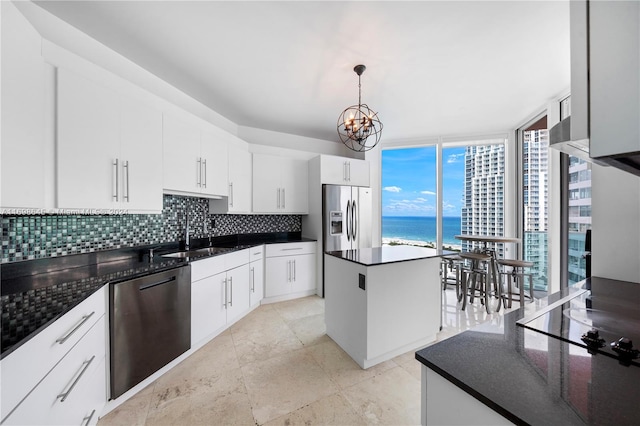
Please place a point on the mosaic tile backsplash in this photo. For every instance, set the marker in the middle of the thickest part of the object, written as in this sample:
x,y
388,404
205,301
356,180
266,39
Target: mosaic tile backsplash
x,y
40,236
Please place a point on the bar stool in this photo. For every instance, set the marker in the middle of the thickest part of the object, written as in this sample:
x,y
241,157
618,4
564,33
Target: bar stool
x,y
479,274
448,265
517,271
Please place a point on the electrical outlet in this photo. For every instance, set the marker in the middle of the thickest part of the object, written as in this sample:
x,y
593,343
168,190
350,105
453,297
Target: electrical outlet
x,y
361,281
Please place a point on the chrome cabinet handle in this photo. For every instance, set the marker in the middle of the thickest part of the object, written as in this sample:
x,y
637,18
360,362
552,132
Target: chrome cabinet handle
x,y
84,319
257,253
231,194
87,420
115,174
86,365
231,285
199,172
284,198
294,270
125,166
349,171
293,248
253,280
226,295
204,181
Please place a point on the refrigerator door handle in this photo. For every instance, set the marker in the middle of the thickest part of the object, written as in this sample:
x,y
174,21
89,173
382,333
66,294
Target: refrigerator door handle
x,y
354,222
348,219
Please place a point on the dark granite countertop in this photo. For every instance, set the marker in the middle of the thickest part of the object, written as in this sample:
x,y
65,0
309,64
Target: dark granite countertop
x,y
35,293
531,378
387,254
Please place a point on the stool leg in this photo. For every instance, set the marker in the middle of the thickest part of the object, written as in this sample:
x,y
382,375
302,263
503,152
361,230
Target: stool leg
x,y
510,289
487,290
530,286
463,295
521,289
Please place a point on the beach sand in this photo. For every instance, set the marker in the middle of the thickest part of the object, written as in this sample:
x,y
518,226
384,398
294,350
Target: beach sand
x,y
430,244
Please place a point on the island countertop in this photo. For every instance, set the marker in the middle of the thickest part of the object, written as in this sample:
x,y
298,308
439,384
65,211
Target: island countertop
x,y
388,254
532,378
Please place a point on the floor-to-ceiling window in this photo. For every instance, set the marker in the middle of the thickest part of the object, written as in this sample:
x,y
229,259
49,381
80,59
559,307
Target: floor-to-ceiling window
x,y
534,144
409,196
578,217
471,200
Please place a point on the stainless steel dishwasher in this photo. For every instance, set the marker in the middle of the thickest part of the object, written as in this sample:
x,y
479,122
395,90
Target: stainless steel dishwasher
x,y
150,325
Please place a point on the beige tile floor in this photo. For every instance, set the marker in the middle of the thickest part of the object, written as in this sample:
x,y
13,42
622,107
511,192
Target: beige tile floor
x,y
277,366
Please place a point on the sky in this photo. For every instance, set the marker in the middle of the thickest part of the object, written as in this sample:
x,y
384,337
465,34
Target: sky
x,y
409,181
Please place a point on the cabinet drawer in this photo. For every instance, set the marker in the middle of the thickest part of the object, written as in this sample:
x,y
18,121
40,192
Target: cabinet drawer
x,y
207,267
256,253
290,249
73,389
27,365
236,258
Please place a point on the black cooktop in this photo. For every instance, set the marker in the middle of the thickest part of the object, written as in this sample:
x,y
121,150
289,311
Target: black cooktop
x,y
604,318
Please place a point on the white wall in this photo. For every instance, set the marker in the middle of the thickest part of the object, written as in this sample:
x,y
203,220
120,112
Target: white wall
x,y
261,138
554,219
615,223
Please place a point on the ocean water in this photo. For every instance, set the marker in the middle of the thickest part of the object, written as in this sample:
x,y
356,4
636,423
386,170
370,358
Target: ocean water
x,y
420,228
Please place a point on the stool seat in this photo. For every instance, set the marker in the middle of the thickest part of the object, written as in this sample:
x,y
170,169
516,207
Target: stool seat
x,y
452,257
475,256
515,263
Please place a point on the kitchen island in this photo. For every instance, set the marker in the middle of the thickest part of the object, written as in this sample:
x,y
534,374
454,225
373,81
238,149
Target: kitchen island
x,y
383,301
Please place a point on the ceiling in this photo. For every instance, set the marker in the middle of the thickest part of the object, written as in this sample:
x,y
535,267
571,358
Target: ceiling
x,y
434,68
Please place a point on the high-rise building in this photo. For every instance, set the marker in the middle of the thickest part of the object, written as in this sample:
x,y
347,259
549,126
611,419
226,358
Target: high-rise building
x,y
579,216
483,201
535,183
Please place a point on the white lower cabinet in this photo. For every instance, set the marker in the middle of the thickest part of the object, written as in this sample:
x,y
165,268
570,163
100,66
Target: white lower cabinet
x,y
74,391
24,370
256,270
290,270
220,293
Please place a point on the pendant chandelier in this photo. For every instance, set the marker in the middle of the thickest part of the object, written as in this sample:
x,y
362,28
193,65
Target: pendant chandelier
x,y
359,127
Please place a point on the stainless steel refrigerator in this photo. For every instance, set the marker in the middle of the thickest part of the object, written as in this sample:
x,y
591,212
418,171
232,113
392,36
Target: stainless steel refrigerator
x,y
346,219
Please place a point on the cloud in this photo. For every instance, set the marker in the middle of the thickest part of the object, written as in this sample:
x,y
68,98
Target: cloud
x,y
392,188
428,192
453,158
409,207
420,200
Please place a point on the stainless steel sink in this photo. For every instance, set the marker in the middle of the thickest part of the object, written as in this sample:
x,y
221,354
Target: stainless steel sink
x,y
178,254
198,252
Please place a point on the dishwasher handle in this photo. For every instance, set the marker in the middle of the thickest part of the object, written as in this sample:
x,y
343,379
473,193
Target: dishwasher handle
x,y
148,286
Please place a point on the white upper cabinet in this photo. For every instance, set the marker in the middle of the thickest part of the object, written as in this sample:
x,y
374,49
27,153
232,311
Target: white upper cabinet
x,y
108,153
215,164
195,158
140,140
181,151
88,144
343,171
23,112
614,85
280,185
239,200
